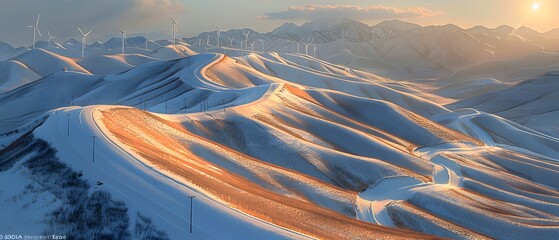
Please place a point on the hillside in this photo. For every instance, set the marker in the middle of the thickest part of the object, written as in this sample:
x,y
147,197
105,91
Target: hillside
x,y
274,146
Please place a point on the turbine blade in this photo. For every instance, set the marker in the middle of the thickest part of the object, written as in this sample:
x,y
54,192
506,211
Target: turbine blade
x,y
87,34
37,22
80,31
172,19
48,32
38,31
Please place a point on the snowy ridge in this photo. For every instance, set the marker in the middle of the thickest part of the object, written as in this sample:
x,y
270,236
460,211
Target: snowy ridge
x,y
279,146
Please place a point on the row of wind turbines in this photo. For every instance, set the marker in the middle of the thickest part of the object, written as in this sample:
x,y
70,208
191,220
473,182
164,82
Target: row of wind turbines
x,y
244,45
84,34
124,30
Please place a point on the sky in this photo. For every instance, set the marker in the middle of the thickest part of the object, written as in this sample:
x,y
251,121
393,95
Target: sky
x,y
103,17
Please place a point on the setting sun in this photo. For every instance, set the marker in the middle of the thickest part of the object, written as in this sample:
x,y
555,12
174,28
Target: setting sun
x,y
536,6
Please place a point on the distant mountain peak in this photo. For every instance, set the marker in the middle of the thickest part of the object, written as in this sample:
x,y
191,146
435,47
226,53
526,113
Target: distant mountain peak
x,y
396,22
451,27
504,29
325,24
479,30
553,33
397,25
526,31
5,47
325,30
285,28
73,41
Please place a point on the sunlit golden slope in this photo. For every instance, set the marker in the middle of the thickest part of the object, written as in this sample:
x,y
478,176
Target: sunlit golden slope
x,y
169,146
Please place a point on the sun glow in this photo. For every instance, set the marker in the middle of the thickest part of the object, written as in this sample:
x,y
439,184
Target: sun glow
x,y
535,6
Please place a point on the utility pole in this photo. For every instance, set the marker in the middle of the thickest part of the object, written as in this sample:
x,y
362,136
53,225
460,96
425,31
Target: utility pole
x,y
68,123
191,198
93,147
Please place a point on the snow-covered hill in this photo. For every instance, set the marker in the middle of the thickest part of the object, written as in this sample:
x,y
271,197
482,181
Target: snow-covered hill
x,y
531,103
393,49
273,146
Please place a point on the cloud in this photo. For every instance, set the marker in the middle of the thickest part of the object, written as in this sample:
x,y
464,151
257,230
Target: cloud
x,y
316,11
154,9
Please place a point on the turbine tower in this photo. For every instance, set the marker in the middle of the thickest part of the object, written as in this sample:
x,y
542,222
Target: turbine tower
x,y
50,37
231,40
174,29
36,30
123,38
314,50
292,46
260,40
252,47
307,47
218,35
84,39
246,38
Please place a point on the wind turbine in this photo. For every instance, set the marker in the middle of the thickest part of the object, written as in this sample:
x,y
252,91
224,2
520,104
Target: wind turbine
x,y
307,47
84,39
314,49
123,37
252,47
36,29
231,40
292,44
262,43
218,35
246,38
174,29
50,37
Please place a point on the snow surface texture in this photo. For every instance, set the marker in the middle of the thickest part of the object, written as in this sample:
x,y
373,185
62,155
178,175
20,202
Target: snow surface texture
x,y
279,146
